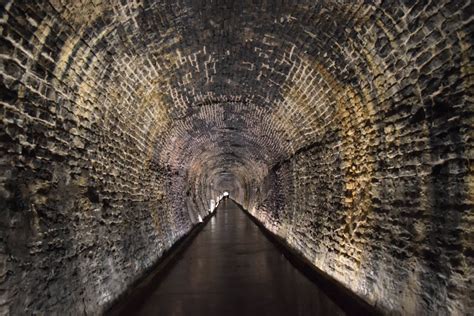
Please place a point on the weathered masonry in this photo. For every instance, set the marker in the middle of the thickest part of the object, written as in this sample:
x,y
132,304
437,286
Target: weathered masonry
x,y
345,127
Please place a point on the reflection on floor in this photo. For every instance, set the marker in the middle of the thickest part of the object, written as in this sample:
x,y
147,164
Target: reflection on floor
x,y
231,268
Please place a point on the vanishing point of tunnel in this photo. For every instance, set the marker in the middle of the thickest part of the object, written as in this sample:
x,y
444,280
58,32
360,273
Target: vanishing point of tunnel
x,y
342,131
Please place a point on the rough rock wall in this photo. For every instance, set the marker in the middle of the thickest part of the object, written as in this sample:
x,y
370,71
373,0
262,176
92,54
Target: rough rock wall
x,y
83,211
383,201
344,126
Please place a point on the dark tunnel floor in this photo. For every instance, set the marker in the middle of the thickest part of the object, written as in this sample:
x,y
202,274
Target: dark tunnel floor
x,y
231,268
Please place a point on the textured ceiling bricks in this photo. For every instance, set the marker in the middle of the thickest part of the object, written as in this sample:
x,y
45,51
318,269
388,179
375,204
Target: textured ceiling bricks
x,y
344,126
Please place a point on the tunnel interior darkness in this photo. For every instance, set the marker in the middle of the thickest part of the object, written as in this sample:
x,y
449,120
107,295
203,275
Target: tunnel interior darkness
x,y
345,127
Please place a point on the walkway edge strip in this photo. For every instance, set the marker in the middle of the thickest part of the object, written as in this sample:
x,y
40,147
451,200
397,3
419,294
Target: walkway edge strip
x,y
351,303
130,301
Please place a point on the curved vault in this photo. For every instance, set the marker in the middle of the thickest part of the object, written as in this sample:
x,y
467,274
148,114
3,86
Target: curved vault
x,y
344,126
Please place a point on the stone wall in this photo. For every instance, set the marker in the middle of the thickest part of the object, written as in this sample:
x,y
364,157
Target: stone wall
x,y
382,200
344,126
84,210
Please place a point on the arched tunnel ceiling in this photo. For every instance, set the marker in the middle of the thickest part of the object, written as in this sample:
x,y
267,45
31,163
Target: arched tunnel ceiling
x,y
343,126
255,81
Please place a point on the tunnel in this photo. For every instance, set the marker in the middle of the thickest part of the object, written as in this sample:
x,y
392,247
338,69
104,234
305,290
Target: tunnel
x,y
343,128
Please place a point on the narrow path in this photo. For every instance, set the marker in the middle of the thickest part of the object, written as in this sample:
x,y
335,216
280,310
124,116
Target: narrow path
x,y
231,268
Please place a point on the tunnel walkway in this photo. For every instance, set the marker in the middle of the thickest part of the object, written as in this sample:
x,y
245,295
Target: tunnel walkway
x,y
231,268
